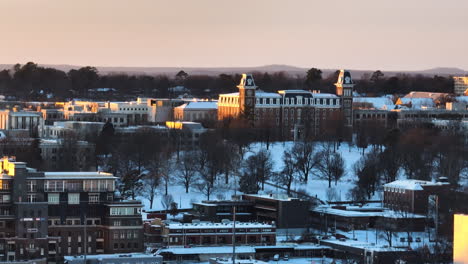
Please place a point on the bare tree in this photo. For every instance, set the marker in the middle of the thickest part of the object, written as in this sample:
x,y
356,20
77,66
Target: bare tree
x,y
303,156
166,201
186,169
165,170
389,163
289,172
368,172
330,166
151,180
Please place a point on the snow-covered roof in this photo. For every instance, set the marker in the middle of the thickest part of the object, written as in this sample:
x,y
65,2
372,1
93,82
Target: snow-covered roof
x,y
230,94
112,256
383,103
427,95
293,91
417,103
199,105
274,196
410,184
262,94
356,214
461,99
75,175
210,225
207,250
324,95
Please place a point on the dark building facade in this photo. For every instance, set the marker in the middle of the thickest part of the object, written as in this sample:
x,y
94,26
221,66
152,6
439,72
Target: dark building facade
x,y
216,211
52,214
285,212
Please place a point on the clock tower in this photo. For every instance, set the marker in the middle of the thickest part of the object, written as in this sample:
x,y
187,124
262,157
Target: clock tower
x,y
344,89
247,96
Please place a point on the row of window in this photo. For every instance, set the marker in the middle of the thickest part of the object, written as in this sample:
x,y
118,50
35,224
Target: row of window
x,y
394,190
287,101
74,185
53,222
125,234
132,109
125,211
129,245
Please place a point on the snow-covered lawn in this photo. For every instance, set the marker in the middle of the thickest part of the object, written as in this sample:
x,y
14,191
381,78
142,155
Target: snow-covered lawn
x,y
314,187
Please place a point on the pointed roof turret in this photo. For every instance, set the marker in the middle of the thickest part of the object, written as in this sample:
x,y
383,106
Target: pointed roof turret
x,y
344,79
247,81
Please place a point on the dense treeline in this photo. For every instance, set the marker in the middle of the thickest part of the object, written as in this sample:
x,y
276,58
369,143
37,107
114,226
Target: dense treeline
x,y
33,82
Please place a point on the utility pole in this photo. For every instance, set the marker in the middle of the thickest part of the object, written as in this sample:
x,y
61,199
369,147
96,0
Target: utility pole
x,y
234,235
85,239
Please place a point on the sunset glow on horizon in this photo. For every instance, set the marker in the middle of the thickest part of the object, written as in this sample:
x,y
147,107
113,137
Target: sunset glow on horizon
x,y
393,35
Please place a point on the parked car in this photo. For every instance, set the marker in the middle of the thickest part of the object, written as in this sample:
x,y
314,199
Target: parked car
x,y
418,239
286,257
276,257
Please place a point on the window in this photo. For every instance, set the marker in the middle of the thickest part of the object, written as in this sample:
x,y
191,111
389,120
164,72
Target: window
x,y
32,186
6,198
94,198
73,198
53,198
32,198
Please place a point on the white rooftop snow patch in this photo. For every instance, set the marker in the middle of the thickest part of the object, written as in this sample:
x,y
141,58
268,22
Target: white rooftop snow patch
x,y
410,184
383,103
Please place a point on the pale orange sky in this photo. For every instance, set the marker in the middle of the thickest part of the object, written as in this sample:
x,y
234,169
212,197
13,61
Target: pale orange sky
x,y
360,34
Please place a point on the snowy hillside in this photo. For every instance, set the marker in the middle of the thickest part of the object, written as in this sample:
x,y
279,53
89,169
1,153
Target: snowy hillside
x,y
315,187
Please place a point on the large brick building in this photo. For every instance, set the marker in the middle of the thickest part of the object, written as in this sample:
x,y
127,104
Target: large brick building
x,y
52,214
413,196
290,110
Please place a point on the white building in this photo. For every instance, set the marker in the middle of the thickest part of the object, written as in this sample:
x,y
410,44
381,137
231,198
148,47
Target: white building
x,y
196,111
460,85
32,122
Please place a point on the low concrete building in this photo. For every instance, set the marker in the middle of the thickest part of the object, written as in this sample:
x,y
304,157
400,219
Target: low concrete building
x,y
285,212
132,258
209,233
216,211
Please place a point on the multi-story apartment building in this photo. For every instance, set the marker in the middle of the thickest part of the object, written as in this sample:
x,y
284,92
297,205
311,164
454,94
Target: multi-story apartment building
x,y
52,214
289,110
460,85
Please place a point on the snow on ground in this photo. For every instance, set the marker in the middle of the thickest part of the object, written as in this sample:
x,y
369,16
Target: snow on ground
x,y
315,187
185,200
378,238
